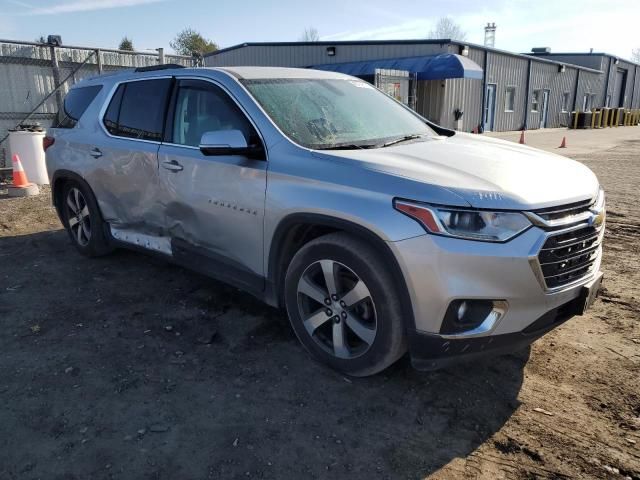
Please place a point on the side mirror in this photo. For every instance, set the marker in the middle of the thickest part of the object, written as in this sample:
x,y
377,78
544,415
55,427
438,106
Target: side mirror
x,y
228,142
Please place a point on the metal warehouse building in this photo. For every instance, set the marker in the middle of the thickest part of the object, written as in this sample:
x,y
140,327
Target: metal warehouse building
x,y
460,85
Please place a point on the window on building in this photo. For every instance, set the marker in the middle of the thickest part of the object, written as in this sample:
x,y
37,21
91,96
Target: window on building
x,y
535,100
137,109
566,96
588,102
509,99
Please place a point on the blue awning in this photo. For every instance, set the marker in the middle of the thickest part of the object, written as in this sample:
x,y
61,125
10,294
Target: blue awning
x,y
433,67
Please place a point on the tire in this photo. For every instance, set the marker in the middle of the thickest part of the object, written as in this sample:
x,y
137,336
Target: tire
x,y
83,221
365,334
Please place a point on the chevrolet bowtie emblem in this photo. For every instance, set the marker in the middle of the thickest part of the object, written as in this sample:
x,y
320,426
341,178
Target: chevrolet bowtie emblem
x,y
597,218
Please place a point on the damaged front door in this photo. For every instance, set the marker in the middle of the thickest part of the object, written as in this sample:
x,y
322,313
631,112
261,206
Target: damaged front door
x,y
214,205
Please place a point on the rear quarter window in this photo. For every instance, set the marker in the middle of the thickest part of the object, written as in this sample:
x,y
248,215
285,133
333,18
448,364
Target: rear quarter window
x,y
75,104
137,109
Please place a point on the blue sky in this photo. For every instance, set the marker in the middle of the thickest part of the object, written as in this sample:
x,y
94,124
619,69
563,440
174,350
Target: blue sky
x,y
563,25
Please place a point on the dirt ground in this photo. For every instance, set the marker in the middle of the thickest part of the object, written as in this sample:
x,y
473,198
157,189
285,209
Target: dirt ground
x,y
128,367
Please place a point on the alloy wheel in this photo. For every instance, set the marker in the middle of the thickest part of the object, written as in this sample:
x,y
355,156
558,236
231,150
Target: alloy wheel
x,y
337,309
78,217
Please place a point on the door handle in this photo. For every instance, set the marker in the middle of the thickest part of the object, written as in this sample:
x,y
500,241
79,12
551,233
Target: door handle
x,y
172,166
95,152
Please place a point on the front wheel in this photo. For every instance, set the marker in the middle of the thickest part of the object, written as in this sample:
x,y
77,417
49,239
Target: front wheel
x,y
343,305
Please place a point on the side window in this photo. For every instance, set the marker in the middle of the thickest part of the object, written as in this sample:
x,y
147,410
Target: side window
x,y
110,119
75,104
509,99
535,100
137,109
203,107
565,101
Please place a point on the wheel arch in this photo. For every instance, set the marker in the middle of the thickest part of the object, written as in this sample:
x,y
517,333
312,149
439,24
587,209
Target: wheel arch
x,y
58,180
295,230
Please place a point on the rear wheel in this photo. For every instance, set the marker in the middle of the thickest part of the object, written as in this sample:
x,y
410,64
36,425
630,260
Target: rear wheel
x,y
343,305
83,221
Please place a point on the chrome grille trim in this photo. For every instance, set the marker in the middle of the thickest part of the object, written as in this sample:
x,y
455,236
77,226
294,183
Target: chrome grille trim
x,y
570,251
565,215
548,213
545,264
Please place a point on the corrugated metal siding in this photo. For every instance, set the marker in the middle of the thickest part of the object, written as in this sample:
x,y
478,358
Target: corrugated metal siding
x,y
607,65
504,71
630,68
635,100
464,94
545,76
430,98
437,100
306,55
592,83
597,62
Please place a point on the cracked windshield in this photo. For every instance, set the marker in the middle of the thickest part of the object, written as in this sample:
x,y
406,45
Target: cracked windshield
x,y
335,113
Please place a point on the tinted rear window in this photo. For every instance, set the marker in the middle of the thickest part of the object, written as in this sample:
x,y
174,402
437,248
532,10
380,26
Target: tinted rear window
x,y
75,104
137,109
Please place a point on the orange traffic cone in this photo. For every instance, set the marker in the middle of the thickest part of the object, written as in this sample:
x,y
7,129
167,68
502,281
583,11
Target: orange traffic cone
x,y
21,186
522,137
564,143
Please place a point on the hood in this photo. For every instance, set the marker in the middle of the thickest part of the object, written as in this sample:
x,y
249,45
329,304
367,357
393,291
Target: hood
x,y
486,172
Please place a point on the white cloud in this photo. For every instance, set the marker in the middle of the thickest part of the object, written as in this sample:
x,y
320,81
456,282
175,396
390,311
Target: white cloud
x,y
84,6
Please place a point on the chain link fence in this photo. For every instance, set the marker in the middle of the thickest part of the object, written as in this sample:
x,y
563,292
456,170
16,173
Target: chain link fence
x,y
35,77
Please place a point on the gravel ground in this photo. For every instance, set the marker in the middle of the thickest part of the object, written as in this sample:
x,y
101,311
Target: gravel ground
x,y
127,367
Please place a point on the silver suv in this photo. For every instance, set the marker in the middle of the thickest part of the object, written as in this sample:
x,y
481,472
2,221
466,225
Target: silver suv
x,y
378,231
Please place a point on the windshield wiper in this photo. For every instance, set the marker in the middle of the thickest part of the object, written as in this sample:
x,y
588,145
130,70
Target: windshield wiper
x,y
400,140
352,146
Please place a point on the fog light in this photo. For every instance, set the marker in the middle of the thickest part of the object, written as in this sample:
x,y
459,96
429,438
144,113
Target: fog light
x,y
462,309
471,317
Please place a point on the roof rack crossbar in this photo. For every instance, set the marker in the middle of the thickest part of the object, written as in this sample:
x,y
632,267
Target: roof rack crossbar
x,y
164,66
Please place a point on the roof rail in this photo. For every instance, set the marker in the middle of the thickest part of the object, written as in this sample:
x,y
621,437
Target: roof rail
x,y
164,66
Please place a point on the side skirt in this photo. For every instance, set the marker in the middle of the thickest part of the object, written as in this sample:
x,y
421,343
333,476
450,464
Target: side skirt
x,y
217,266
192,257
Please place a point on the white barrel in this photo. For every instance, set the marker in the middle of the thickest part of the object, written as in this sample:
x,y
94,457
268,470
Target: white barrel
x,y
28,146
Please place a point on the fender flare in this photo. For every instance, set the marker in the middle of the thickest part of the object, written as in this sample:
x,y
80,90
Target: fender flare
x,y
276,269
63,174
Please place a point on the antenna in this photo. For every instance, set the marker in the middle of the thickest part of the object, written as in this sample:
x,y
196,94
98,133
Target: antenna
x,y
490,35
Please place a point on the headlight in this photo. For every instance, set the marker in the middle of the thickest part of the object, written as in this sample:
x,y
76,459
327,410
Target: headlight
x,y
464,223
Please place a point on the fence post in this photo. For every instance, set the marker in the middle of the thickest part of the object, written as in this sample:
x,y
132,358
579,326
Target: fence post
x,y
56,75
99,60
160,55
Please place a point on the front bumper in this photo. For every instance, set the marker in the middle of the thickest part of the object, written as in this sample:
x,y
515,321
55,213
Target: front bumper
x,y
439,270
431,352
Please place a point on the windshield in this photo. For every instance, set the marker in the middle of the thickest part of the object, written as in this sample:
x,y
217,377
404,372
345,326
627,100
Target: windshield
x,y
335,113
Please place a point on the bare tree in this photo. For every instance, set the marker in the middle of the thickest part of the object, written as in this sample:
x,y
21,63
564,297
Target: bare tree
x,y
446,28
310,35
635,55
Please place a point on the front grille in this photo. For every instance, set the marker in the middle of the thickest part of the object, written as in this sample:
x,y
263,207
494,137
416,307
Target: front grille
x,y
564,211
569,256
